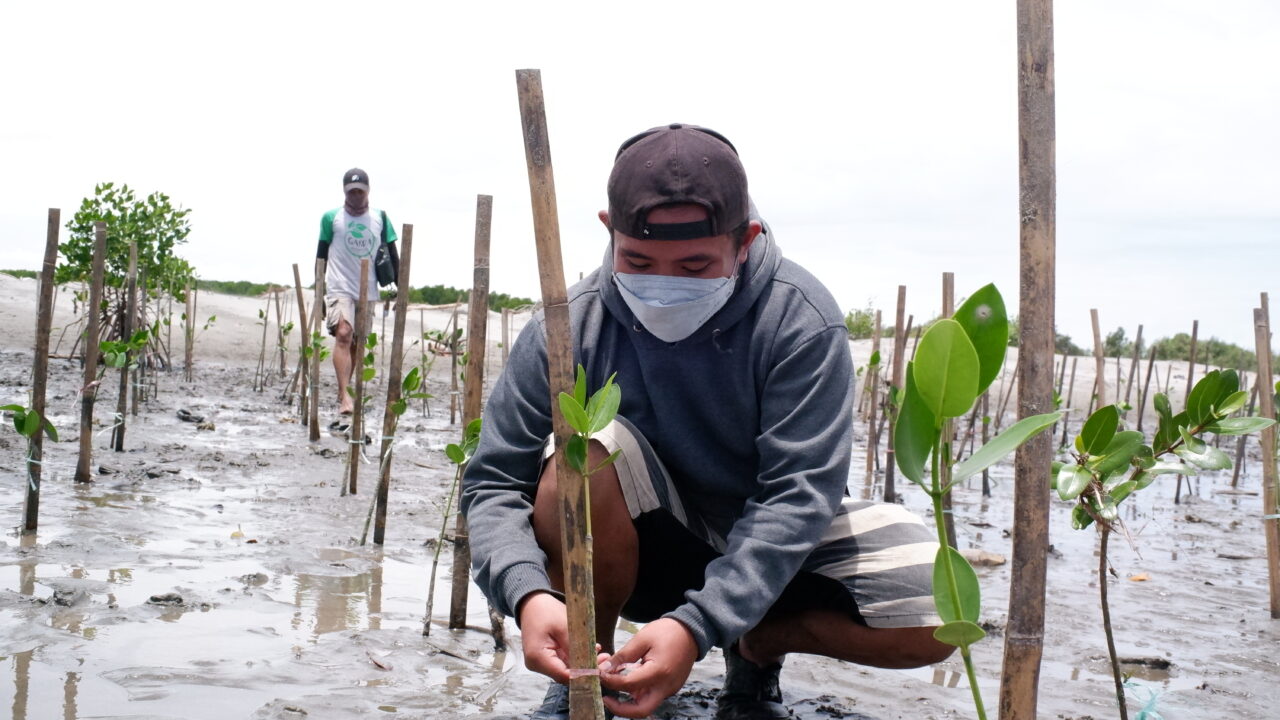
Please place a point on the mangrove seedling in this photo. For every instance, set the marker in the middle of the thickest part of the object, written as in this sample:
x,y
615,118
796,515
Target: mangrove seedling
x,y
459,455
1110,463
956,361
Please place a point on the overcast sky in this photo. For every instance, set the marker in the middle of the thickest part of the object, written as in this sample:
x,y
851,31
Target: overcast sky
x,y
880,138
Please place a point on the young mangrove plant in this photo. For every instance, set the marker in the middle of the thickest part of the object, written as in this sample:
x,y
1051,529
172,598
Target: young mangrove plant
x,y
1110,463
459,455
956,361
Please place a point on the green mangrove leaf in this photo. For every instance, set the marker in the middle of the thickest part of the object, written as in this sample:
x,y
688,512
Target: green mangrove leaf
x,y
1240,425
368,373
1099,429
1230,403
1161,404
1119,453
875,359
960,633
1001,445
454,453
1210,458
30,423
412,381
1108,510
966,583
1190,442
50,430
575,453
1123,490
946,367
580,386
399,406
607,461
986,323
914,433
604,406
1080,518
1143,478
1072,480
1203,395
574,413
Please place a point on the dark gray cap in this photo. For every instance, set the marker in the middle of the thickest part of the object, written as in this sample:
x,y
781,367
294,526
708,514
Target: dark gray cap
x,y
676,164
356,177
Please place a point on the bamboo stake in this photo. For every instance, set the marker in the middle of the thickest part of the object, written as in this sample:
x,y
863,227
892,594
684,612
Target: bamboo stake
x,y
986,435
361,332
189,333
389,416
89,393
126,333
1191,361
1008,391
422,355
1100,372
477,314
304,331
916,341
317,304
1133,368
506,335
275,293
40,374
1071,388
1024,633
260,377
899,362
584,690
1267,438
874,384
948,425
1146,385
1239,463
453,363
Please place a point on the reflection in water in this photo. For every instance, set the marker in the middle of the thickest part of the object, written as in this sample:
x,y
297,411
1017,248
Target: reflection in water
x,y
21,678
337,599
945,678
69,696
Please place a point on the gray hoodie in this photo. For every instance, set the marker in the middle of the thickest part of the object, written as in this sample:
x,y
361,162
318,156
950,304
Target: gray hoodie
x,y
752,416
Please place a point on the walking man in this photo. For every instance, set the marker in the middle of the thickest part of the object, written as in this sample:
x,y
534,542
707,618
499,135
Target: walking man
x,y
724,521
347,235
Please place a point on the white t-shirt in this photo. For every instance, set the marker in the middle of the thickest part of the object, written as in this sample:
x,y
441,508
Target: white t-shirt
x,y
352,238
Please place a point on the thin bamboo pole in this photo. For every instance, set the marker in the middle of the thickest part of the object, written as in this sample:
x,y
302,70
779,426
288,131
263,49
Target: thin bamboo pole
x,y
126,333
986,435
1239,463
584,687
422,355
948,425
189,334
1191,361
1133,368
1146,385
1071,388
89,393
1024,631
276,293
1267,438
873,439
1100,371
477,314
304,332
453,364
317,322
360,333
389,416
506,335
40,374
899,364
260,378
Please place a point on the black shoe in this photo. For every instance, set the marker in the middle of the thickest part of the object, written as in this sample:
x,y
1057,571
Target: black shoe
x,y
750,692
555,706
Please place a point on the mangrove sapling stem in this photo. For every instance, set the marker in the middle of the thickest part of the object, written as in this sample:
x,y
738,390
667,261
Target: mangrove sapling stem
x,y
1105,531
936,494
1235,473
435,560
89,393
127,309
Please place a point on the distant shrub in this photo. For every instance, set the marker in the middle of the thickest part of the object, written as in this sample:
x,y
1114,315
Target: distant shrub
x,y
31,274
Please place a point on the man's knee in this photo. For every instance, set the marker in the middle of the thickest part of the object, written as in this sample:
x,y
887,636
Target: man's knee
x,y
919,648
342,333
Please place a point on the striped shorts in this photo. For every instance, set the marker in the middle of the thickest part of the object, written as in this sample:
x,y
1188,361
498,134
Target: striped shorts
x,y
880,556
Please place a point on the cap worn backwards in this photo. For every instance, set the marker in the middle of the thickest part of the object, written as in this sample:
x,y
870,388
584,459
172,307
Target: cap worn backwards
x,y
677,164
355,178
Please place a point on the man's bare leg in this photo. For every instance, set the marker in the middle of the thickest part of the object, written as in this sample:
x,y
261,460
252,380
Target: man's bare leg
x,y
617,547
832,633
344,361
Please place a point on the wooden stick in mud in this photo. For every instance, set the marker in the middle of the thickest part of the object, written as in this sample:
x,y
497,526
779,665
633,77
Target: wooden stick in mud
x,y
1133,367
317,322
1037,214
584,690
1067,403
355,433
1146,385
1008,391
389,417
1100,371
89,393
189,333
453,363
986,435
916,341
948,425
873,383
899,363
1267,438
275,293
1239,463
477,314
126,333
422,355
260,377
1191,360
304,331
506,335
40,374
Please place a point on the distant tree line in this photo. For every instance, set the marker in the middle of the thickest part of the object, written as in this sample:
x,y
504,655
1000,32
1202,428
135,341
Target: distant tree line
x,y
444,295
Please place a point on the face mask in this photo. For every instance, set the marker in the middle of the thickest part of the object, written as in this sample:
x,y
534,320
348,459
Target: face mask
x,y
673,308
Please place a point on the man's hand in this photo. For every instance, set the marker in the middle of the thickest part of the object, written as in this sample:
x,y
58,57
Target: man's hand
x,y
544,632
650,668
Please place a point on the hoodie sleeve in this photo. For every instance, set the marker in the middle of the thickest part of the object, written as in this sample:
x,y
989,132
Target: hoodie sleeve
x,y
806,431
500,482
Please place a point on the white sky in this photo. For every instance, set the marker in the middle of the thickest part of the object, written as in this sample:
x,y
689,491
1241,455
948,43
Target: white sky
x,y
880,138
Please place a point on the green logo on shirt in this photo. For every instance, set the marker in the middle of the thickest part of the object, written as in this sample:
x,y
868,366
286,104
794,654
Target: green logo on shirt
x,y
360,240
